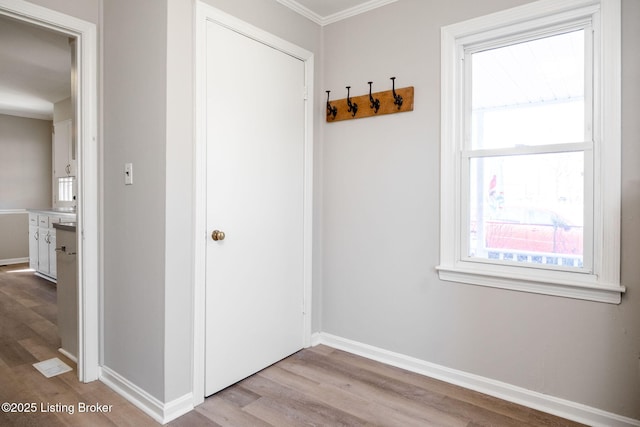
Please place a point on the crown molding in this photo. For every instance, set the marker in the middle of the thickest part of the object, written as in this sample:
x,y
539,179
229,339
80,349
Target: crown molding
x,y
302,10
335,17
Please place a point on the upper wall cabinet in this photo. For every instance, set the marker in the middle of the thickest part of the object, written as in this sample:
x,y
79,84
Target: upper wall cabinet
x,y
64,162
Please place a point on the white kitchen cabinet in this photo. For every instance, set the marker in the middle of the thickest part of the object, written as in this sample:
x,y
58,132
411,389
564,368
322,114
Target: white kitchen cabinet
x,y
46,255
43,251
64,162
42,242
33,241
53,269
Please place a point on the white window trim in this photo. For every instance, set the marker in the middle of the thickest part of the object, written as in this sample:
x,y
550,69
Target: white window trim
x,y
603,283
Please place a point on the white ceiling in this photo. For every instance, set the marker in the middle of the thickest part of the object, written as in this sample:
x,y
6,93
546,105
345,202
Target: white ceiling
x,y
325,12
35,71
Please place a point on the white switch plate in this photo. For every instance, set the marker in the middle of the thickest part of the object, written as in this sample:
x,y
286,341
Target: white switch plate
x,y
128,173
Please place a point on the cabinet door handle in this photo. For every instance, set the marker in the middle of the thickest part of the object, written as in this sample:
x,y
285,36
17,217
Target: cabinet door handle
x,y
37,235
68,169
63,249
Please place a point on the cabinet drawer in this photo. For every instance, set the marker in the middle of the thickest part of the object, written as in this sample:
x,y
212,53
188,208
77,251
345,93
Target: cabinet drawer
x,y
43,221
33,219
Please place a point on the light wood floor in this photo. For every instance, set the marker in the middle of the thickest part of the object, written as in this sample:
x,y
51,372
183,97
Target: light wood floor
x,y
320,386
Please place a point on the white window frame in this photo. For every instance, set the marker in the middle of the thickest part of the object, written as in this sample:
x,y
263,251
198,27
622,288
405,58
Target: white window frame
x,y
584,146
601,280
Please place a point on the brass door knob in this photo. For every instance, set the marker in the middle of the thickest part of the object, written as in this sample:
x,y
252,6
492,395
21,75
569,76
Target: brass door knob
x,y
217,235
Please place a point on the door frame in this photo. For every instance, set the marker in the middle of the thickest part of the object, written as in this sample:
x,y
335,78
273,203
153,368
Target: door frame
x,y
88,184
204,14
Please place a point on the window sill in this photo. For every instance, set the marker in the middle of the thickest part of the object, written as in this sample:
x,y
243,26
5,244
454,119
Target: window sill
x,y
577,286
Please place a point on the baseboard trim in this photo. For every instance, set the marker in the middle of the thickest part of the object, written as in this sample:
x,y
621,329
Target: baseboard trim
x,y
11,261
45,277
563,408
161,412
68,355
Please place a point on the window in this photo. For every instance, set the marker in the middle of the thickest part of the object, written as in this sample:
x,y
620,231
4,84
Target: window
x,y
66,192
531,150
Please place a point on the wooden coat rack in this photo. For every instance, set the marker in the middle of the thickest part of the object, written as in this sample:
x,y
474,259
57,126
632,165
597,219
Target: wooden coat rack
x,y
374,104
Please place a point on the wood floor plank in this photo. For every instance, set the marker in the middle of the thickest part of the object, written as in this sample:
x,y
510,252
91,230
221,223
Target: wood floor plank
x,y
47,330
344,400
13,354
374,389
40,350
10,384
122,412
224,413
36,419
287,406
12,328
239,396
193,419
19,312
47,311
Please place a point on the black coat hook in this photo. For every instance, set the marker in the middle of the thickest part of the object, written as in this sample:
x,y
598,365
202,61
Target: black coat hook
x,y
353,107
397,98
331,111
375,103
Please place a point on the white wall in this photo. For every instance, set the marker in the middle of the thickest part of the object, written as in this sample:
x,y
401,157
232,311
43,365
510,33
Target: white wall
x,y
25,179
62,110
179,196
25,163
14,237
134,131
381,228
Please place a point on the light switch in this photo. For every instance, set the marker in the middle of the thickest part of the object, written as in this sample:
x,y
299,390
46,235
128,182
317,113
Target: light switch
x,y
128,173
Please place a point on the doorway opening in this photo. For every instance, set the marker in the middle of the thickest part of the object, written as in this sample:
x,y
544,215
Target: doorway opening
x,y
84,119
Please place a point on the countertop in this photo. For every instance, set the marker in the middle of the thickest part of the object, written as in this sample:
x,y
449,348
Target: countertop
x,y
55,211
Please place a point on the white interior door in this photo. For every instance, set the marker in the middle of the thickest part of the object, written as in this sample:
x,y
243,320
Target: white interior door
x,y
255,130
